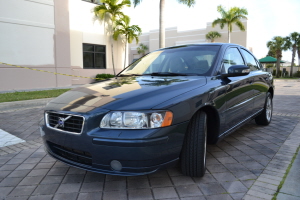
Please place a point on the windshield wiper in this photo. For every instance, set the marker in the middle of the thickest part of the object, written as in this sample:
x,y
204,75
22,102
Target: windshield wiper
x,y
125,75
166,74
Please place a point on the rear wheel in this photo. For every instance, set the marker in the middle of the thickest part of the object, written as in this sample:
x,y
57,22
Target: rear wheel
x,y
193,155
266,115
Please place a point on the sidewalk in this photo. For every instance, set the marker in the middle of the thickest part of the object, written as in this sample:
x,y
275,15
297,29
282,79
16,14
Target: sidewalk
x,y
290,189
21,105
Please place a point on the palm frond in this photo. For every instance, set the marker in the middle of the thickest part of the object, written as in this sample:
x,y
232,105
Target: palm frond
x,y
218,21
222,11
136,2
295,38
142,48
189,3
240,25
122,27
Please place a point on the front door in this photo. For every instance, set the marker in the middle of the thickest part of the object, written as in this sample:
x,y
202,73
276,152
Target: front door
x,y
260,86
239,94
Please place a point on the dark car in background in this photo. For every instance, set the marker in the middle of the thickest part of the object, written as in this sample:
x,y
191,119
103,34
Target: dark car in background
x,y
162,109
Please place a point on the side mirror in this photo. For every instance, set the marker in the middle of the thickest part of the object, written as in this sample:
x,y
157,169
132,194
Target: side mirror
x,y
237,70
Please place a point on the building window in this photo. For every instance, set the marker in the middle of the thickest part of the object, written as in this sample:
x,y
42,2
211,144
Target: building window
x,y
94,1
94,56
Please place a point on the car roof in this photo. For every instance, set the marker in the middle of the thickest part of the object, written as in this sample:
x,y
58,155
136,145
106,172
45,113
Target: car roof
x,y
203,44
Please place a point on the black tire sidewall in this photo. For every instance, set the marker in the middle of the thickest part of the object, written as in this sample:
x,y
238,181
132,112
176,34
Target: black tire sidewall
x,y
193,155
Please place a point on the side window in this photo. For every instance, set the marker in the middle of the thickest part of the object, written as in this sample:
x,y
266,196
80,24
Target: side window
x,y
260,67
250,61
232,57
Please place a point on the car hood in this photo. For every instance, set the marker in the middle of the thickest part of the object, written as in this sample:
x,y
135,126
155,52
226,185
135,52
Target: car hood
x,y
126,93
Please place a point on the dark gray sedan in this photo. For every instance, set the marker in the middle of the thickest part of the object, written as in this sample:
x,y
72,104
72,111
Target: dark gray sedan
x,y
162,109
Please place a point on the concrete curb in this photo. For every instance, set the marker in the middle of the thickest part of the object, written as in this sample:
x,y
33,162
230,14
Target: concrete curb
x,y
267,183
18,105
287,80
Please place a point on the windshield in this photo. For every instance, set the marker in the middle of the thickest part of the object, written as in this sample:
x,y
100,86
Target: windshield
x,y
187,60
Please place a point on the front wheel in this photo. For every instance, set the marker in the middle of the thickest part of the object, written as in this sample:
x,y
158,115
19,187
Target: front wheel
x,y
193,155
266,115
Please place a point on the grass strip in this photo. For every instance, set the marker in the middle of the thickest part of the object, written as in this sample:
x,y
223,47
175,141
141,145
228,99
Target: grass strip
x,y
285,175
20,96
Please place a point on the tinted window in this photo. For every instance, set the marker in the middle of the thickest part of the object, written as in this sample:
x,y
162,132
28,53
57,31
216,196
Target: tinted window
x,y
189,60
231,57
250,61
259,64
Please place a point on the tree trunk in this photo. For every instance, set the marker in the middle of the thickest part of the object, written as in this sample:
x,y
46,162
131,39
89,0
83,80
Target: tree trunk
x,y
293,60
228,35
161,24
278,66
298,51
125,53
112,54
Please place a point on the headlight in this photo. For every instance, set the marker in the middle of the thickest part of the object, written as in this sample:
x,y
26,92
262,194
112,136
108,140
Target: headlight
x,y
136,120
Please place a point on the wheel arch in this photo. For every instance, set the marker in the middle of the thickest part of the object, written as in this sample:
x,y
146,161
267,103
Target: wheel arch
x,y
271,90
213,123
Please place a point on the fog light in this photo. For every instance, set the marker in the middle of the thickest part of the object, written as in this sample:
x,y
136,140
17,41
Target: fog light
x,y
116,165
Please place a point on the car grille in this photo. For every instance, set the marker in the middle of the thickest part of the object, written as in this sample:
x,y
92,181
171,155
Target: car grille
x,y
78,156
73,124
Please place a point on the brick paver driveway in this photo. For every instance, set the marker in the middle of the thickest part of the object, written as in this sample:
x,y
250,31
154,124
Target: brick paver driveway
x,y
26,172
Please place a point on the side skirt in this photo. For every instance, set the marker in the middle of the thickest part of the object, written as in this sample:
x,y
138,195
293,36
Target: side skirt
x,y
238,125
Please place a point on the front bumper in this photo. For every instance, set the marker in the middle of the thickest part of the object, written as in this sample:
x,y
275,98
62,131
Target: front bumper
x,y
155,149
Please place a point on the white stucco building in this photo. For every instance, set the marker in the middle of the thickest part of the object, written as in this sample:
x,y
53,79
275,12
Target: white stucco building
x,y
53,35
174,37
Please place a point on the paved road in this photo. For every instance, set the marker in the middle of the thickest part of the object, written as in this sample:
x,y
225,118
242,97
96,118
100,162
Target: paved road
x,y
287,97
233,165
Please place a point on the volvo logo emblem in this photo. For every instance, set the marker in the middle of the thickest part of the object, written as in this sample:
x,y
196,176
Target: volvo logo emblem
x,y
61,122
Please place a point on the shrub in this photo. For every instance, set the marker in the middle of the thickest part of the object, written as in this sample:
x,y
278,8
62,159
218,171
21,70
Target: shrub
x,y
269,66
104,76
274,72
297,74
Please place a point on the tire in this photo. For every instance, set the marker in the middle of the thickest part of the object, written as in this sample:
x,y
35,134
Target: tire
x,y
265,117
193,154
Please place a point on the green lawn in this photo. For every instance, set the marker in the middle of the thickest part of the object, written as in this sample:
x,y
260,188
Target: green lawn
x,y
19,96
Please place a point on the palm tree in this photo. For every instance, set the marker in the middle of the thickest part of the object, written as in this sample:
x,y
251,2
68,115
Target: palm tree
x,y
292,41
230,17
142,48
212,35
298,52
189,3
278,44
130,32
272,53
108,13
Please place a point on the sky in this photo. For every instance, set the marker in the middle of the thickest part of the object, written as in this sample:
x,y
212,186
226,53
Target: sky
x,y
266,18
